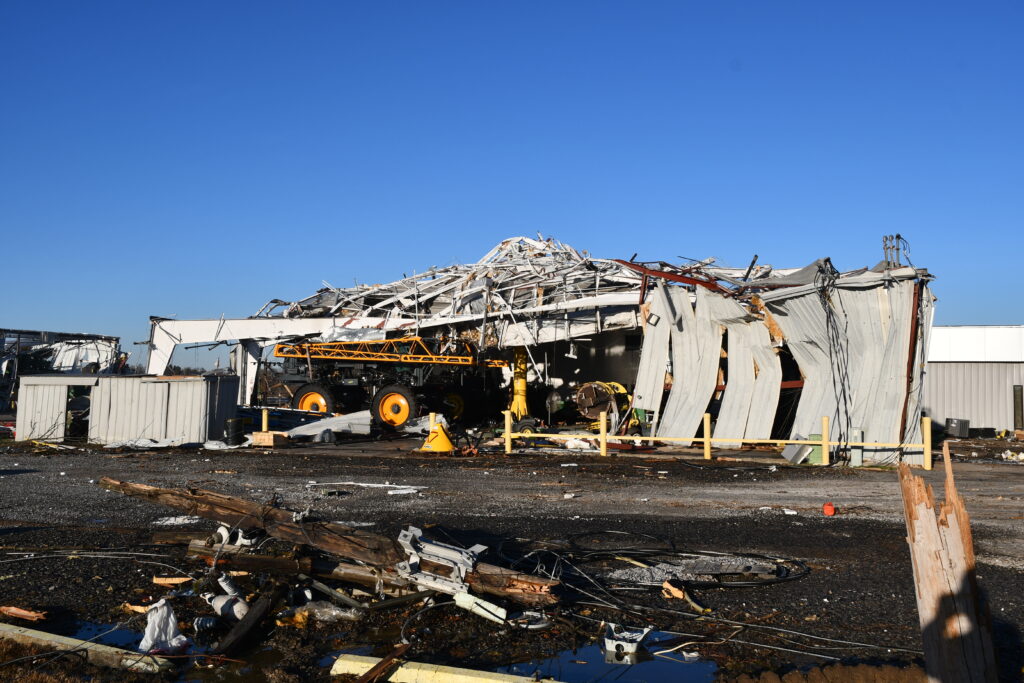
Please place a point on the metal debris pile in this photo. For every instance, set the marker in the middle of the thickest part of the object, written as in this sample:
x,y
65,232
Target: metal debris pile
x,y
624,592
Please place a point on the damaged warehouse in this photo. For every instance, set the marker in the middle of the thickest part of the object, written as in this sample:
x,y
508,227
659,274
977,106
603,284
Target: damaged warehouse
x,y
768,352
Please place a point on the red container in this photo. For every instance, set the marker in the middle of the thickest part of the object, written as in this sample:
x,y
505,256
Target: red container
x,y
829,509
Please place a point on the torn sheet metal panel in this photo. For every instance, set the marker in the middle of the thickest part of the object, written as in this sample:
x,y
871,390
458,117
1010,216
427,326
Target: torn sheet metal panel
x,y
650,379
764,400
739,379
803,321
571,326
353,423
696,350
915,402
850,337
165,334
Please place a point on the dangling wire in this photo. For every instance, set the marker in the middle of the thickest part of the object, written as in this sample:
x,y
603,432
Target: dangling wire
x,y
838,350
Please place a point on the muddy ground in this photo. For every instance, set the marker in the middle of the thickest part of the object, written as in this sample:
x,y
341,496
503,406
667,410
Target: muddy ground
x,y
859,587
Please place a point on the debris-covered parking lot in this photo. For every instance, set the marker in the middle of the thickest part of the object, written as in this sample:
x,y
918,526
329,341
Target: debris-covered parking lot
x,y
84,555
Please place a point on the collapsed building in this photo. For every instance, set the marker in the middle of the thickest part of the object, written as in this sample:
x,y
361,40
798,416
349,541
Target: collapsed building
x,y
768,352
34,352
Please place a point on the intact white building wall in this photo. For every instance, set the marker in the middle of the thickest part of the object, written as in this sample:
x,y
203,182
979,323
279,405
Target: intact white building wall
x,y
979,392
184,409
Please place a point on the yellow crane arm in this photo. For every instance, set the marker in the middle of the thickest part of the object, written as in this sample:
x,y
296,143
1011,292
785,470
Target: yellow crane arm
x,y
404,350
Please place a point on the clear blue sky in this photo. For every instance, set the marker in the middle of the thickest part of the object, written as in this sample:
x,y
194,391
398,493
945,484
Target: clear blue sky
x,y
199,158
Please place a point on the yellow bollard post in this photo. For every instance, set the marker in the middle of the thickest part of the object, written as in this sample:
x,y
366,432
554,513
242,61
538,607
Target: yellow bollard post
x,y
825,455
433,419
508,431
707,436
604,432
926,434
266,420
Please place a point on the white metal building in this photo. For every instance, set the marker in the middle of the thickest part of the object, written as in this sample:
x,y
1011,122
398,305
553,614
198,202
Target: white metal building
x,y
181,409
976,373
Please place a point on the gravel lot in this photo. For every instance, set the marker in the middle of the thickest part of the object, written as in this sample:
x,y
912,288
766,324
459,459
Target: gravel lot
x,y
860,587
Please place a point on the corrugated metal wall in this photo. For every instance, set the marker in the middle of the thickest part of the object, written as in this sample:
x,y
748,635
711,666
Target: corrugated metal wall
x,y
187,410
125,408
43,405
979,392
42,412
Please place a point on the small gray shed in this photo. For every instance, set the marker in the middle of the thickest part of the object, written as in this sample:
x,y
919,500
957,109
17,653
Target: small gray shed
x,y
189,409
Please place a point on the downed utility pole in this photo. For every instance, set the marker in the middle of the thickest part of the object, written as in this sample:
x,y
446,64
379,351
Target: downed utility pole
x,y
278,522
955,624
337,539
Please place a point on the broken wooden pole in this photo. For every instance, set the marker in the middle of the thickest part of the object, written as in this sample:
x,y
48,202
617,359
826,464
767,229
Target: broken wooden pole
x,y
94,653
278,522
955,623
337,539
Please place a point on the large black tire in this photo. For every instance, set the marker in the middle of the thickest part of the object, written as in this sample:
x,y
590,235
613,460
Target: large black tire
x,y
314,398
394,406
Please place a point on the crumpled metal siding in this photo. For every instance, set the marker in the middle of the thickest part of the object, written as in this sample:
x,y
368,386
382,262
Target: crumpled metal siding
x,y
764,400
696,349
650,379
915,404
803,323
739,381
857,375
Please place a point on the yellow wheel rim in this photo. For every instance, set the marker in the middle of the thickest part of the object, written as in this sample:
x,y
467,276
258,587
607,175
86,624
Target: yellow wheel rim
x,y
456,404
314,402
394,409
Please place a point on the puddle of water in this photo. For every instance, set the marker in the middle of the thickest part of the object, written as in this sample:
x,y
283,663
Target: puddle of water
x,y
591,663
118,637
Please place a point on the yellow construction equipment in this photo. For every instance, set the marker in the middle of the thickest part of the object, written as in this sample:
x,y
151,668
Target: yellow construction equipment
x,y
519,367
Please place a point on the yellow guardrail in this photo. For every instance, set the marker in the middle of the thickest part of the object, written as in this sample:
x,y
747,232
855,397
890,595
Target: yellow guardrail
x,y
824,442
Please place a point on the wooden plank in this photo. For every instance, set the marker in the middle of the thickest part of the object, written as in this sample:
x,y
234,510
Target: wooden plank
x,y
955,624
94,653
382,668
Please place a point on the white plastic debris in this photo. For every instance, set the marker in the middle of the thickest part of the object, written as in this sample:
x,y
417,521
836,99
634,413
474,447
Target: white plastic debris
x,y
787,511
773,468
567,496
227,606
623,639
177,521
569,464
402,492
328,613
144,444
223,446
162,633
578,445
385,485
